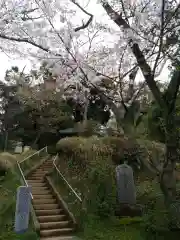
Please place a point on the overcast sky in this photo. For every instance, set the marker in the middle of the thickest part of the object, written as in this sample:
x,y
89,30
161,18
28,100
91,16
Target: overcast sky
x,y
6,61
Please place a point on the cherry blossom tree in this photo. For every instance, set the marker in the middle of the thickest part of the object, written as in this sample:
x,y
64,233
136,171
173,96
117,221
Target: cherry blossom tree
x,y
131,37
75,57
161,17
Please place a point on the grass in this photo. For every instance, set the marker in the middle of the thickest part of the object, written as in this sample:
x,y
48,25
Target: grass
x,y
110,229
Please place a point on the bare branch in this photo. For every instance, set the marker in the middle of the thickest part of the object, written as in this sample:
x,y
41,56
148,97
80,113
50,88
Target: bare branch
x,y
120,83
171,15
26,40
120,62
90,41
27,17
160,37
124,11
132,77
85,25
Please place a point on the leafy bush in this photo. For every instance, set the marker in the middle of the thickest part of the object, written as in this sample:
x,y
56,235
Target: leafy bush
x,y
86,162
155,222
7,162
52,149
123,149
88,128
89,165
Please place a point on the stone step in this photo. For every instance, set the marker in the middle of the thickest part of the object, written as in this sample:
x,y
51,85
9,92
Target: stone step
x,y
49,212
53,218
46,196
37,184
55,232
45,170
44,201
40,192
34,187
35,181
46,164
59,238
40,172
46,206
36,178
54,225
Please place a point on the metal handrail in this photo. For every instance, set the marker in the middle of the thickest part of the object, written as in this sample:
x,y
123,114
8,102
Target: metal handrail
x,y
33,154
55,166
21,171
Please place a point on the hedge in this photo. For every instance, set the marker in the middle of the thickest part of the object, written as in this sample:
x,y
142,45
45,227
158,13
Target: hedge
x,y
89,164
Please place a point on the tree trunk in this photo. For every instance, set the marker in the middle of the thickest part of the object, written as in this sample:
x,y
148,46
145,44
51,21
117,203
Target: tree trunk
x,y
168,176
85,113
6,140
36,139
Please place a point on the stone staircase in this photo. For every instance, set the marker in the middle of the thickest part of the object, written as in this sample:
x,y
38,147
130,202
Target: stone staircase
x,y
54,222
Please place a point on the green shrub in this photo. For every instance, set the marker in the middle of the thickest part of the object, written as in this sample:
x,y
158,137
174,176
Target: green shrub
x,y
123,149
155,222
52,149
87,162
28,153
89,165
7,162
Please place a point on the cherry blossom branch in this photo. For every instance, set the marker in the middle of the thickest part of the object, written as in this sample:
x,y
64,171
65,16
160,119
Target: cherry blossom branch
x,y
173,14
34,44
90,41
31,42
85,25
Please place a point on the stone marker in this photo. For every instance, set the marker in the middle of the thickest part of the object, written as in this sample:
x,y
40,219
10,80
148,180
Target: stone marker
x,y
125,185
23,202
18,148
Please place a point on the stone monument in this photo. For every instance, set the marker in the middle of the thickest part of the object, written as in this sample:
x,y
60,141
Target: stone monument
x,y
125,184
126,192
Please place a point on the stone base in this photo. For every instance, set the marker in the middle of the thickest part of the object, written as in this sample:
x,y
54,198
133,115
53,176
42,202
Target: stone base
x,y
125,210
